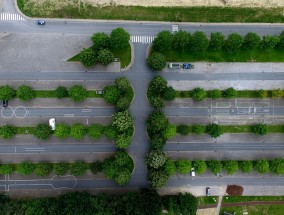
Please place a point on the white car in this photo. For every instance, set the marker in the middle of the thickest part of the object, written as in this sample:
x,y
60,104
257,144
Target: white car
x,y
192,172
52,123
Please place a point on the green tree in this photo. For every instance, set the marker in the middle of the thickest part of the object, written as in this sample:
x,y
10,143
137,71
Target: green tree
x,y
233,43
214,166
180,40
214,94
157,141
198,94
122,120
100,41
260,129
261,93
199,166
95,131
245,166
123,141
156,102
183,130
61,92
169,94
188,203
25,168
88,57
119,38
277,93
158,178
123,104
43,168
157,122
78,168
61,168
251,41
216,41
123,177
25,93
96,167
6,169
7,131
156,61
42,131
170,167
198,129
6,92
163,42
78,93
62,131
78,131
122,84
199,42
230,166
111,94
157,86
261,166
183,166
105,56
170,131
110,132
230,93
214,130
281,40
155,159
277,166
269,42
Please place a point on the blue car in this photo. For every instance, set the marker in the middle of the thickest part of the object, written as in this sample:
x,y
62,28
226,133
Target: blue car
x,y
40,22
187,66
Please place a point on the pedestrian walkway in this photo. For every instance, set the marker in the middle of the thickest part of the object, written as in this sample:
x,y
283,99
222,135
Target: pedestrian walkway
x,y
142,39
11,16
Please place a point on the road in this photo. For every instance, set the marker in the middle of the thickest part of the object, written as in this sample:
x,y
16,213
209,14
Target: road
x,y
139,76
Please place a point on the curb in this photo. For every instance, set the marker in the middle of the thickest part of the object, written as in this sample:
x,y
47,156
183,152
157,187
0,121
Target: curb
x,y
132,58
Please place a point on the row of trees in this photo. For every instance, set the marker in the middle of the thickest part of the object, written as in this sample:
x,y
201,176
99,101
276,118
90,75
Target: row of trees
x,y
118,168
120,94
160,168
102,46
158,91
145,201
25,93
198,94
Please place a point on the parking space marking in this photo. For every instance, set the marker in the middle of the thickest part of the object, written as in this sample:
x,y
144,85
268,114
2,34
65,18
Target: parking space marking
x,y
39,149
68,115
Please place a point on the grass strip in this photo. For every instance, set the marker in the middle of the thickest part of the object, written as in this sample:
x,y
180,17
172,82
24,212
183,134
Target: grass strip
x,y
172,14
255,209
51,94
234,199
207,200
25,130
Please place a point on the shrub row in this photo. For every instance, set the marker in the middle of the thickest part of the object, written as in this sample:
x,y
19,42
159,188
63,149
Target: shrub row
x,y
120,94
25,93
158,91
215,130
102,43
160,168
118,167
121,130
198,94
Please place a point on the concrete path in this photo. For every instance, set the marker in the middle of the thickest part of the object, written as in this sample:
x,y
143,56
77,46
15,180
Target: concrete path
x,y
220,198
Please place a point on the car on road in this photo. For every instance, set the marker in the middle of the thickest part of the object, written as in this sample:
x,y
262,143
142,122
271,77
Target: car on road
x,y
5,103
192,172
52,123
187,66
208,192
40,22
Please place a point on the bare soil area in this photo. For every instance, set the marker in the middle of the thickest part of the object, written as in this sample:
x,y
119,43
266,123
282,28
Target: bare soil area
x,y
168,3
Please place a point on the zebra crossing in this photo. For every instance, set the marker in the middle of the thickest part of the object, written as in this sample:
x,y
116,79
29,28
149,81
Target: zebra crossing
x,y
11,16
142,39
174,28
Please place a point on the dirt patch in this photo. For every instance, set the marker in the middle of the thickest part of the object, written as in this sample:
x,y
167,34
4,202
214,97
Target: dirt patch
x,y
169,3
207,211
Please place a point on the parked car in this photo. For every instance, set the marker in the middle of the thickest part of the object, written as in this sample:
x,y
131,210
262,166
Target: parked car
x,y
174,65
187,66
40,22
99,92
192,172
5,103
52,123
208,192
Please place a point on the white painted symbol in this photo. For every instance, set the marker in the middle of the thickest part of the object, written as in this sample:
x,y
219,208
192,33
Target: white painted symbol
x,y
18,115
8,109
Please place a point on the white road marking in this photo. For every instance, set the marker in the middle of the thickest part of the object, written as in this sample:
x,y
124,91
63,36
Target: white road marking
x,y
142,39
11,16
68,115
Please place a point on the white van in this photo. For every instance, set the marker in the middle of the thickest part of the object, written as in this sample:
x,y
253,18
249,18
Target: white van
x,y
174,65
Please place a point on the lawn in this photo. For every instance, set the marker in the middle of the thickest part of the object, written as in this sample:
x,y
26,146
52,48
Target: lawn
x,y
172,14
273,55
233,199
255,210
207,200
123,55
51,94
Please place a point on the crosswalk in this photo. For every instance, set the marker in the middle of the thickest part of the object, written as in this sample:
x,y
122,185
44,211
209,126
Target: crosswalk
x,y
142,39
11,16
